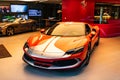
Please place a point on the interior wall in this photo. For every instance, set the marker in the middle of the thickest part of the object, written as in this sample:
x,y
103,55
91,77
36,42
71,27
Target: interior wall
x,y
74,10
108,1
8,3
48,10
78,10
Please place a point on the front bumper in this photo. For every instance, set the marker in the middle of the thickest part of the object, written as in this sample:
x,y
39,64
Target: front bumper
x,y
52,63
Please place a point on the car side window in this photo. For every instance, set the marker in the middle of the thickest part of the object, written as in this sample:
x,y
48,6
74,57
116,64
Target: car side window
x,y
87,29
49,31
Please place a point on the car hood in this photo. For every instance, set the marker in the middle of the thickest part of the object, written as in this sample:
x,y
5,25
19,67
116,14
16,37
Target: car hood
x,y
54,46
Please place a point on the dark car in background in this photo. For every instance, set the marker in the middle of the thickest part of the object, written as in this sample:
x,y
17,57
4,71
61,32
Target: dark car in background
x,y
17,26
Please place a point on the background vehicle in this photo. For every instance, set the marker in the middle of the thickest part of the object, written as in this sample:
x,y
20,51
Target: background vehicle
x,y
64,45
18,25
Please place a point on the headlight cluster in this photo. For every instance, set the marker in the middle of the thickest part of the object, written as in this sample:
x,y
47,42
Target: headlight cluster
x,y
75,50
26,47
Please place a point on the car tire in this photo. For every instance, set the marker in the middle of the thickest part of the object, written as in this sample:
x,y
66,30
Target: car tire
x,y
98,41
88,55
10,31
87,60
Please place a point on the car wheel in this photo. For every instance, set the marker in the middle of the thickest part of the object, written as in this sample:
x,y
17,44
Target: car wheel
x,y
9,31
98,41
87,60
88,55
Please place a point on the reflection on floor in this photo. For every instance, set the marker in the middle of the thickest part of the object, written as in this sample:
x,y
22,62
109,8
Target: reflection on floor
x,y
104,63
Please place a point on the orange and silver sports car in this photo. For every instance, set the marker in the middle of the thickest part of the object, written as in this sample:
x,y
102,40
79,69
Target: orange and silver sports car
x,y
65,45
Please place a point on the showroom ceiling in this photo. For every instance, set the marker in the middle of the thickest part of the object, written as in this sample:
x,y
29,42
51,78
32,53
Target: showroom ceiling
x,y
43,1
52,1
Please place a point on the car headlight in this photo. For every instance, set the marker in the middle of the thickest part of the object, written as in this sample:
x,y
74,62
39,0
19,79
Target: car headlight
x,y
26,47
75,50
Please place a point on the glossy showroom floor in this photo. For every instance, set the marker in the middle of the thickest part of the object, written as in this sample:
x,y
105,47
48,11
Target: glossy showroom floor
x,y
104,63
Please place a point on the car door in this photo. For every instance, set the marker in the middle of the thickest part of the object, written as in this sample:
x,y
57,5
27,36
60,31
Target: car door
x,y
24,25
27,25
17,27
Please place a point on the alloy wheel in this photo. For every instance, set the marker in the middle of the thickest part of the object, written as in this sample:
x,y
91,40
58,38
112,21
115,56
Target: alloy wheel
x,y
9,31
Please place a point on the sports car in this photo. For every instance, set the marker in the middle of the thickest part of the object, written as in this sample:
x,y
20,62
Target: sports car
x,y
65,45
18,25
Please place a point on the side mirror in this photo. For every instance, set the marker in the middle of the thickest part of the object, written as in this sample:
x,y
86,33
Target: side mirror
x,y
93,33
42,30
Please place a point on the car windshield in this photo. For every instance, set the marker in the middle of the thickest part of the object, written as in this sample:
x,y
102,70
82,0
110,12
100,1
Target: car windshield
x,y
17,20
67,29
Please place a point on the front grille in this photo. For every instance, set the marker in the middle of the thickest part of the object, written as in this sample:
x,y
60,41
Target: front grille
x,y
42,64
65,62
28,58
37,62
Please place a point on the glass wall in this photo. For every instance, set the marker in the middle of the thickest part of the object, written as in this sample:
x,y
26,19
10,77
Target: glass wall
x,y
105,12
